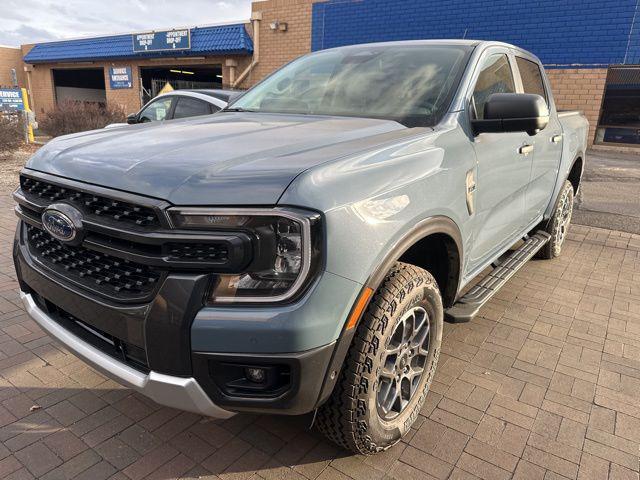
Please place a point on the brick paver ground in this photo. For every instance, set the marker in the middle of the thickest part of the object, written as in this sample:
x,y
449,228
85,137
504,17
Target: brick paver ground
x,y
545,383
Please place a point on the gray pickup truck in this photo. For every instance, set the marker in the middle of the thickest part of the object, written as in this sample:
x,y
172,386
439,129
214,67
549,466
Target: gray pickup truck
x,y
300,251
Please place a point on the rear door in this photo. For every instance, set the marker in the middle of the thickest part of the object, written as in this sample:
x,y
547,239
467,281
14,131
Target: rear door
x,y
547,144
191,107
502,170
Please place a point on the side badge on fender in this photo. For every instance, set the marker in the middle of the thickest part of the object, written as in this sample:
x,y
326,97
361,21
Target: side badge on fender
x,y
470,185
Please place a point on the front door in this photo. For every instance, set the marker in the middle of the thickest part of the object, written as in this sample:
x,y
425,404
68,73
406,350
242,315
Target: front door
x,y
504,166
547,145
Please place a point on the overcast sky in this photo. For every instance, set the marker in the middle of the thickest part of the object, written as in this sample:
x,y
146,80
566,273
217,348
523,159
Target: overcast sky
x,y
29,21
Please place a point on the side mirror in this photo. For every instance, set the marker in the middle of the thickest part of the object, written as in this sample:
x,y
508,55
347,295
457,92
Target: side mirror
x,y
513,112
132,118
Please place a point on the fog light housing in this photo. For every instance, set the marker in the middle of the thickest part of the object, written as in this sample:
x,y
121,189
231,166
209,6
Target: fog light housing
x,y
255,375
250,379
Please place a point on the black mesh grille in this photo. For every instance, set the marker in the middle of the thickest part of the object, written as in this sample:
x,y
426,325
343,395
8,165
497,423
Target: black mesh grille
x,y
99,272
198,252
103,207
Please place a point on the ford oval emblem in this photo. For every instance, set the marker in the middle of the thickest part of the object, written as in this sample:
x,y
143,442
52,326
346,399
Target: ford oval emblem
x,y
59,225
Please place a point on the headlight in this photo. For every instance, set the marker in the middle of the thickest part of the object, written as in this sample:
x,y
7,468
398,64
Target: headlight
x,y
285,250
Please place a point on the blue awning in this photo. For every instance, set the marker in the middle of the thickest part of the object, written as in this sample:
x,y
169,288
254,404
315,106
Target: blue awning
x,y
216,40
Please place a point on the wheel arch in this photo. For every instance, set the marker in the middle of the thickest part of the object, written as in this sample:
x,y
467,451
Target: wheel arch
x,y
424,246
437,230
575,172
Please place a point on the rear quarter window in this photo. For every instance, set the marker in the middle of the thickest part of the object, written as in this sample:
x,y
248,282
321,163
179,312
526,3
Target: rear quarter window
x,y
531,77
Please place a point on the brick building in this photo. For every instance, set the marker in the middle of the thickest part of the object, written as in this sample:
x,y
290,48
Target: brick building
x,y
11,67
591,50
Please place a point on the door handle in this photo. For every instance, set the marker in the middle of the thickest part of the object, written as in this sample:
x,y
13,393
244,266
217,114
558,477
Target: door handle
x,y
525,150
556,138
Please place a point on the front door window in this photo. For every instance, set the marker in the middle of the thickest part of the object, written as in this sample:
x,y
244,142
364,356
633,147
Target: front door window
x,y
156,111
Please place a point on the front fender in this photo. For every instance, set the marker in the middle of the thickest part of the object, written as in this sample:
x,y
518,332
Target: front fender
x,y
374,202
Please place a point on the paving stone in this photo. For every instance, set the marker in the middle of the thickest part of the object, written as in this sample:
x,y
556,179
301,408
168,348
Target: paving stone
x,y
481,468
528,471
65,444
117,453
426,463
38,459
550,462
74,467
492,455
150,462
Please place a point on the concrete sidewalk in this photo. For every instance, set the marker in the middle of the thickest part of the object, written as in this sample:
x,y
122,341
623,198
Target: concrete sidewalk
x,y
610,192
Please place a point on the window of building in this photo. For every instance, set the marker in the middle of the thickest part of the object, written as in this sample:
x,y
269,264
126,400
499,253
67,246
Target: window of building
x,y
495,77
620,115
79,85
531,77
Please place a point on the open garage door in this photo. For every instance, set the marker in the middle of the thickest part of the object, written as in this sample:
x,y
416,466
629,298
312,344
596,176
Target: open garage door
x,y
154,79
80,85
620,115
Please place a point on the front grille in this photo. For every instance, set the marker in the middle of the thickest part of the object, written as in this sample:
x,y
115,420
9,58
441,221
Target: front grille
x,y
90,204
105,274
128,353
128,247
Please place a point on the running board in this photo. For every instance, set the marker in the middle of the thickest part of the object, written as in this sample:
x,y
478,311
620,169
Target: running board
x,y
468,305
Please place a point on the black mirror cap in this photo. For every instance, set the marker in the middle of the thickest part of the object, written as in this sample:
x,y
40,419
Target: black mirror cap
x,y
132,118
513,112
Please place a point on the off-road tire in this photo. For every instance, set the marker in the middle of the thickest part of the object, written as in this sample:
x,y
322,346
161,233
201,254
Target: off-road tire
x,y
350,417
559,222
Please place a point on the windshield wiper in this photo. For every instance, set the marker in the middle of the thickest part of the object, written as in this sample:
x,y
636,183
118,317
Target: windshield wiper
x,y
237,109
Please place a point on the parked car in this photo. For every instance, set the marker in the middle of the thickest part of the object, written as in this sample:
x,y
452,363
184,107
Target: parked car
x,y
300,250
181,104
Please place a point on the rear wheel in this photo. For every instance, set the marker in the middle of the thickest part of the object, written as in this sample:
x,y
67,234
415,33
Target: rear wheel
x,y
558,225
389,366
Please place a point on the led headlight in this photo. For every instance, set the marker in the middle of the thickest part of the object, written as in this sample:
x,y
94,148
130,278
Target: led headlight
x,y
285,250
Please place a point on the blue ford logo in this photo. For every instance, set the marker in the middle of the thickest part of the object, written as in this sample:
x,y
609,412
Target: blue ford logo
x,y
63,222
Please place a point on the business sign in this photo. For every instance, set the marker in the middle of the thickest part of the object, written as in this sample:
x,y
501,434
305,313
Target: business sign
x,y
120,77
162,41
11,100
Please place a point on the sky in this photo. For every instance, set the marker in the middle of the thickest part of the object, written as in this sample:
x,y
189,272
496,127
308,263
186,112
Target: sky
x,y
31,21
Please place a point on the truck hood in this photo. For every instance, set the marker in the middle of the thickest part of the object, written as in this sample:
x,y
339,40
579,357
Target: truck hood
x,y
223,159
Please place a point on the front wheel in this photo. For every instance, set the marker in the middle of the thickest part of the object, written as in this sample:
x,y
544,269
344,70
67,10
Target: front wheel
x,y
559,223
389,365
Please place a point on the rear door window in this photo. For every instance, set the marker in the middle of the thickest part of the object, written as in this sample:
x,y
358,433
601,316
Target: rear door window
x,y
495,77
190,107
531,77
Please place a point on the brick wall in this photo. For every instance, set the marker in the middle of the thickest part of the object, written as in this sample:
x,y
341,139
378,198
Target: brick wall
x,y
129,98
579,89
43,93
39,80
574,32
280,47
11,58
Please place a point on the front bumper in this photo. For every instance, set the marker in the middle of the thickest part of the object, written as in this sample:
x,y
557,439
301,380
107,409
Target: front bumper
x,y
184,346
183,393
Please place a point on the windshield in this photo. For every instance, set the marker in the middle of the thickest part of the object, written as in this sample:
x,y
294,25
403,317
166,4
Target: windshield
x,y
412,84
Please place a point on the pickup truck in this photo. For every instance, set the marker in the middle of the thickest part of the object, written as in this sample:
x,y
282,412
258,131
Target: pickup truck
x,y
299,251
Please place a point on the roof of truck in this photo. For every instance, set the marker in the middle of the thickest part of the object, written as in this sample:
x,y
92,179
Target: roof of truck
x,y
444,41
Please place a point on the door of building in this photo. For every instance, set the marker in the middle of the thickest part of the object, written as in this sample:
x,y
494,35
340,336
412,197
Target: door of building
x,y
620,114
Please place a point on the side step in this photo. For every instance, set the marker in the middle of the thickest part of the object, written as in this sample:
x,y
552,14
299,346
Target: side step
x,y
468,305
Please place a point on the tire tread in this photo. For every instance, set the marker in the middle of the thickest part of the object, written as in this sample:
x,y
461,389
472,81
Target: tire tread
x,y
337,419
